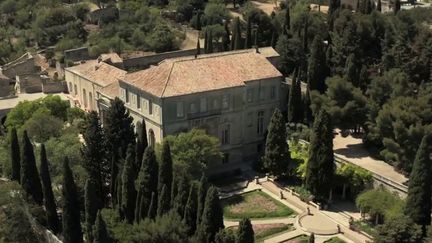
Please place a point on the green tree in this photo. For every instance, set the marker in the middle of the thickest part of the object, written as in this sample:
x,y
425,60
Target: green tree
x,y
95,156
30,181
164,202
91,205
100,231
72,232
180,200
190,212
49,202
418,202
248,40
320,167
291,53
317,68
225,236
295,106
146,184
236,39
129,193
161,39
15,155
312,238
168,228
152,207
352,69
212,217
166,170
378,7
401,229
277,156
245,233
203,187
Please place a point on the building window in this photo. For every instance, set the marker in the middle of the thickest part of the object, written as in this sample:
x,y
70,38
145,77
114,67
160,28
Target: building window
x,y
225,101
225,138
180,111
215,104
70,87
150,107
249,95
138,102
225,158
203,104
260,123
262,93
76,90
134,99
152,139
127,96
273,92
249,119
122,94
90,101
192,108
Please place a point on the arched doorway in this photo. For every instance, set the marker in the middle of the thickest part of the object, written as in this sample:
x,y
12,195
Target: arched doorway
x,y
151,138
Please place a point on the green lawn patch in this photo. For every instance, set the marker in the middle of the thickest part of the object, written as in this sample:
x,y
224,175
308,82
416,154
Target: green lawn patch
x,y
265,231
253,205
335,240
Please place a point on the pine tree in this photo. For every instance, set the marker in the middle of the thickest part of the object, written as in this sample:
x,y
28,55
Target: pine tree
x,y
72,232
212,217
248,40
351,70
128,186
119,128
378,7
15,155
317,68
166,170
312,238
153,206
95,156
202,193
164,202
418,202
182,194
30,181
100,231
320,167
295,111
190,212
277,156
49,201
245,233
146,184
91,205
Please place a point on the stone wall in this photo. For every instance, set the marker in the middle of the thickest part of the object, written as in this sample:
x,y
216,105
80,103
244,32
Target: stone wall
x,y
76,54
146,61
23,65
28,83
49,87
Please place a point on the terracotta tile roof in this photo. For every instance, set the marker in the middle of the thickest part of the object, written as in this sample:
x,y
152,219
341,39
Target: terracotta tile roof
x,y
112,90
186,75
100,73
112,57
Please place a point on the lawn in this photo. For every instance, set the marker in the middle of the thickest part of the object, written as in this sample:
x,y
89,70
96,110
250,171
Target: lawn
x,y
265,231
254,205
298,239
335,240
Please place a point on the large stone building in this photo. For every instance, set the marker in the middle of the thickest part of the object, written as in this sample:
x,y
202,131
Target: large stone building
x,y
231,95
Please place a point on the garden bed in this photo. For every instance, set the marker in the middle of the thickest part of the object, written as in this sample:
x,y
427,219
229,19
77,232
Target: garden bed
x,y
298,239
255,204
335,240
265,231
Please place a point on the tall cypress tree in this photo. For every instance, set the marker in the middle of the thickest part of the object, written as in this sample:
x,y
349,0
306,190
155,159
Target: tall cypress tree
x,y
212,217
206,41
295,107
202,193
418,202
277,156
308,118
100,231
245,233
198,47
152,210
128,186
15,155
190,212
226,37
320,167
236,36
166,169
317,67
119,128
95,156
396,6
49,202
378,7
91,205
210,42
182,194
30,181
164,202
248,40
146,184
113,179
287,22
72,232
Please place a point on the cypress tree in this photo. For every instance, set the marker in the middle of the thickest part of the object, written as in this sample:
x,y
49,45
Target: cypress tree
x,y
91,205
212,217
312,238
164,202
166,170
248,39
206,41
317,68
128,186
320,167
119,128
418,202
72,232
277,156
30,181
236,36
152,210
287,22
226,37
15,155
396,6
182,194
190,212
378,7
95,156
295,111
100,231
202,193
245,233
308,118
113,179
198,48
274,38
305,35
49,202
142,138
210,42
146,184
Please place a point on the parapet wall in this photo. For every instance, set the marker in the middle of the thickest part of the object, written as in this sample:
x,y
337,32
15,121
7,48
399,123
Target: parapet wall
x,y
146,61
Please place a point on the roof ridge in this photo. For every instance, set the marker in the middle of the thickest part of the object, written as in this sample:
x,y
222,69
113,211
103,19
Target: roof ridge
x,y
168,78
